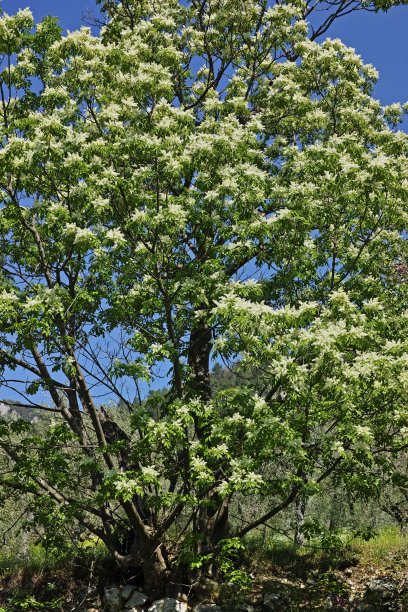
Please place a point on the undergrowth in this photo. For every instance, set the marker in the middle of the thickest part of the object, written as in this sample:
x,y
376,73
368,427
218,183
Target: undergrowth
x,y
308,577
44,579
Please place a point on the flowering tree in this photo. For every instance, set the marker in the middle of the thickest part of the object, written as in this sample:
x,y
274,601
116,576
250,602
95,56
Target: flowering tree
x,y
201,179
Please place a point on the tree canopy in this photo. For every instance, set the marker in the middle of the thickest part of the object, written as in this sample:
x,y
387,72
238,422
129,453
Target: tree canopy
x,y
200,180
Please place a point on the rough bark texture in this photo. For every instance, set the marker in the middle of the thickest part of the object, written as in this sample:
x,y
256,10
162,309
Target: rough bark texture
x,y
212,520
300,515
199,361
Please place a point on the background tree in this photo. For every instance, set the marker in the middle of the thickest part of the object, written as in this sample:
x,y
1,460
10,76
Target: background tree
x,y
188,148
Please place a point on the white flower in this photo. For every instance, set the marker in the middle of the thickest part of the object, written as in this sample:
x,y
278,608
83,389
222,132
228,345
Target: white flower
x,y
338,449
116,236
149,472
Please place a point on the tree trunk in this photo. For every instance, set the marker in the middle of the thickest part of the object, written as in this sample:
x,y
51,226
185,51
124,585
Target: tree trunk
x,y
213,525
199,361
155,572
212,520
148,555
333,513
300,516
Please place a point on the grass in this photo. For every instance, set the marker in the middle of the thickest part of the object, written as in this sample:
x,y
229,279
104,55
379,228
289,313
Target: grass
x,y
312,578
36,560
44,579
39,560
305,577
388,543
289,556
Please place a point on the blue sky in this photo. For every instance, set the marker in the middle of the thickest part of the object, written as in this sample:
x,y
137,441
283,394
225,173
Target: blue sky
x,y
381,39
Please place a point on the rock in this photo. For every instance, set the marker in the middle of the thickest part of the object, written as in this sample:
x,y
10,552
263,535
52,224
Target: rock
x,y
272,600
381,588
113,600
136,599
348,571
207,608
136,609
88,595
379,593
255,599
127,591
168,605
246,607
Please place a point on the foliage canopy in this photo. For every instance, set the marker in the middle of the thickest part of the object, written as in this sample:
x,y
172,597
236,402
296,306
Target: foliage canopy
x,y
200,180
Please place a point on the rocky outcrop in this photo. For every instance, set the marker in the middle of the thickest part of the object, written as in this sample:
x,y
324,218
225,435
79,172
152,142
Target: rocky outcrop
x,y
113,599
11,410
378,594
126,599
168,604
135,599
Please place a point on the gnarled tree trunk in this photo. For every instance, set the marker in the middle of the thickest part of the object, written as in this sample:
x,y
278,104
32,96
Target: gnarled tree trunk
x,y
212,520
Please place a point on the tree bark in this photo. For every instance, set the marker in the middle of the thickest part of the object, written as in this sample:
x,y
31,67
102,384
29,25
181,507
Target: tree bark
x,y
212,520
300,516
152,561
199,361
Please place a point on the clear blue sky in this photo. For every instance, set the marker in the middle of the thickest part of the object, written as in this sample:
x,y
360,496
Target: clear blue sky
x,y
381,39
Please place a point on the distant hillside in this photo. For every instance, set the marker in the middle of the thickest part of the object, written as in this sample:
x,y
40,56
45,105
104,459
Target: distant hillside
x,y
16,411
